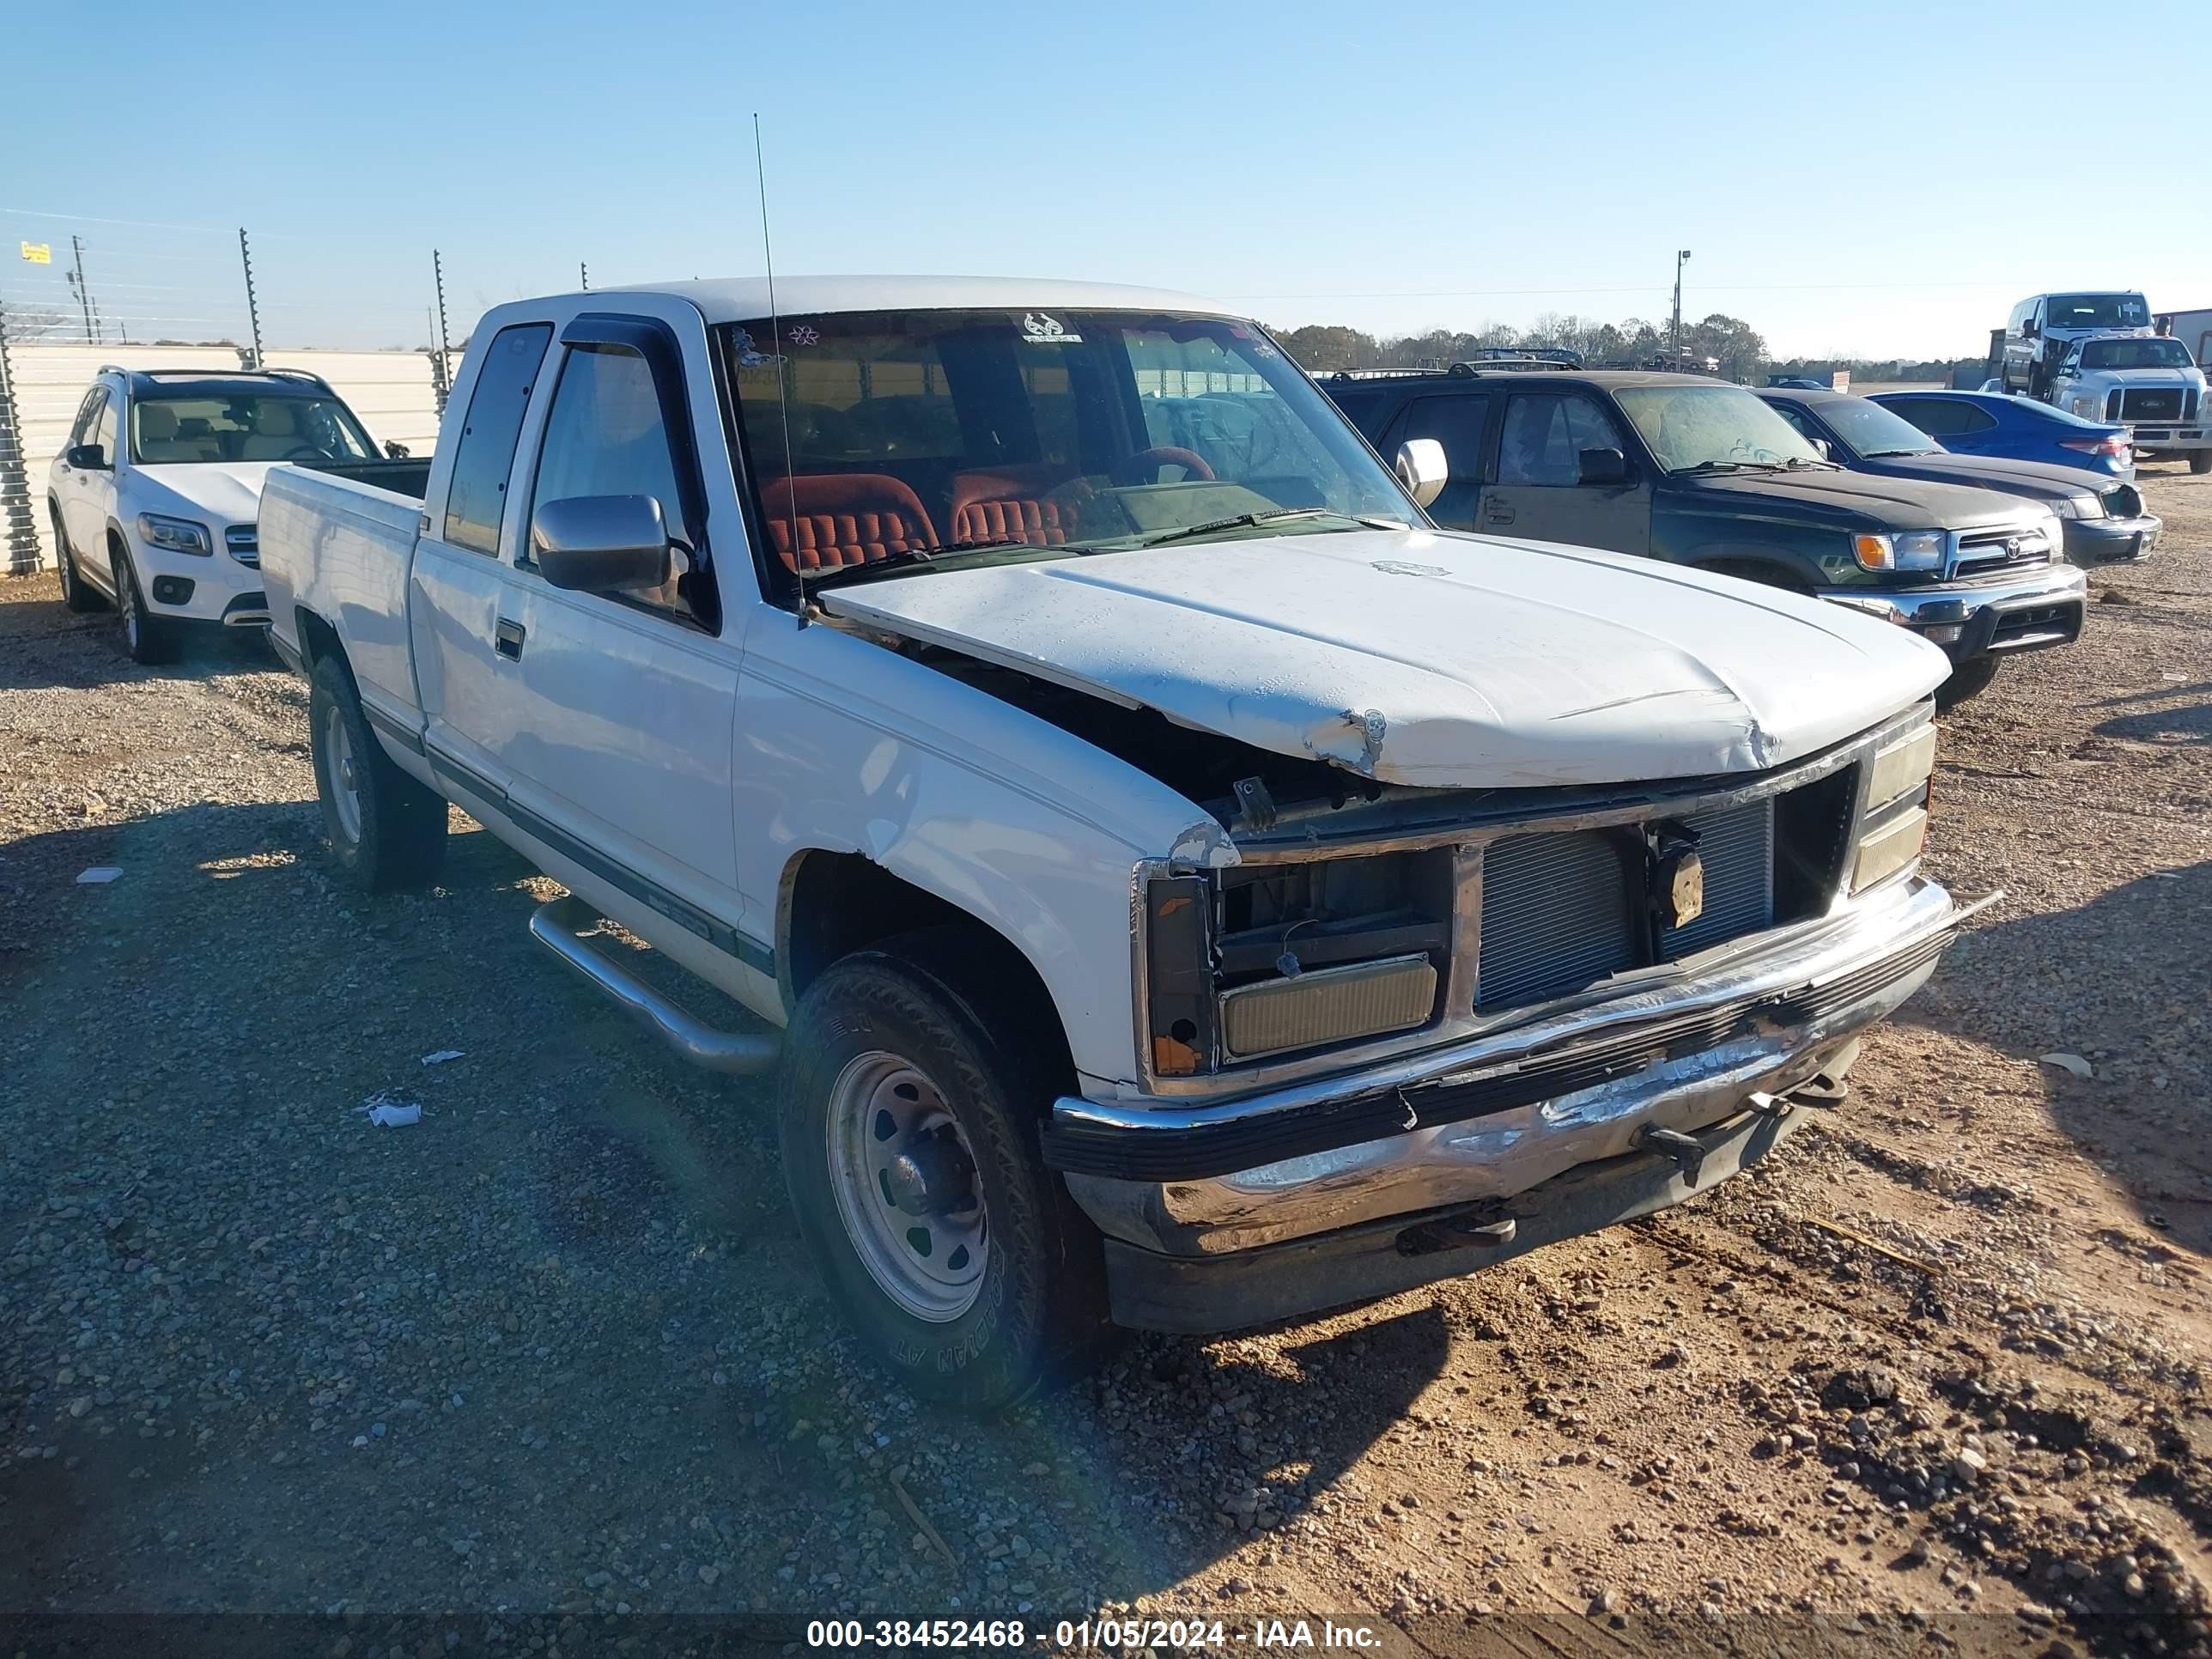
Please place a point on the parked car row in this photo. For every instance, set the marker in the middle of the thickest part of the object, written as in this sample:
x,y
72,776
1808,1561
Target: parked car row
x,y
2099,356
1187,872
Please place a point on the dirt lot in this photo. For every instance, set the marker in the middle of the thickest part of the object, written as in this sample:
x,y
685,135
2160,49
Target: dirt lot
x,y
548,1370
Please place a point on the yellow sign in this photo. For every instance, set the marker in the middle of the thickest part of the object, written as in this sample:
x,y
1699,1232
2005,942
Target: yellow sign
x,y
38,254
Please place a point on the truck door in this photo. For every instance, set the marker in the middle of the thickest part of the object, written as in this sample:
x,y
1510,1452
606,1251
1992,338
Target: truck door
x,y
624,740
1540,494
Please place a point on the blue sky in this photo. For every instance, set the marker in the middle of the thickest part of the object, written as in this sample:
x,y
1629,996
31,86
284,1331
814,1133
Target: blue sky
x,y
1849,179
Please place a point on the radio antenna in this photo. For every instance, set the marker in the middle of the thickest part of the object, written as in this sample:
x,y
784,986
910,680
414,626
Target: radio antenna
x,y
776,346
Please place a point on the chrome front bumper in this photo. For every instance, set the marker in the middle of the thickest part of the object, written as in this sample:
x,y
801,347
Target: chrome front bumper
x,y
1494,1116
1968,619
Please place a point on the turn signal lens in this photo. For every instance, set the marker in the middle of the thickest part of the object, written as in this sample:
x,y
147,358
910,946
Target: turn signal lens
x,y
1874,552
1901,765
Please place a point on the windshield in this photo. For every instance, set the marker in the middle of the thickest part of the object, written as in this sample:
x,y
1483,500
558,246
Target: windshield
x,y
2097,311
1713,427
2134,354
245,426
1870,429
906,436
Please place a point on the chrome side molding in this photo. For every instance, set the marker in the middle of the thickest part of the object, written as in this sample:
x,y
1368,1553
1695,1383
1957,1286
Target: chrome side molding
x,y
562,926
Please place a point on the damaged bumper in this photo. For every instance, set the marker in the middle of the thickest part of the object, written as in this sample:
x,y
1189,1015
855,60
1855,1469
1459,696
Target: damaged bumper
x,y
1238,1213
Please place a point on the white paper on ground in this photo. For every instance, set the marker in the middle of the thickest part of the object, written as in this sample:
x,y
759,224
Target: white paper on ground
x,y
386,1113
99,875
442,1056
2073,1063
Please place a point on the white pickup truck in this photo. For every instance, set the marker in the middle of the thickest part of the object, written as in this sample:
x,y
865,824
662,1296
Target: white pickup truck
x,y
1178,886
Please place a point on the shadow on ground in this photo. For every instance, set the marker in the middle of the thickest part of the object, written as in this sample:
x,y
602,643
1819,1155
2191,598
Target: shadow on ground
x,y
2121,981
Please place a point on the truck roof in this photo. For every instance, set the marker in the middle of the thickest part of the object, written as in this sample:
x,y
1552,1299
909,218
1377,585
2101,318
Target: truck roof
x,y
739,299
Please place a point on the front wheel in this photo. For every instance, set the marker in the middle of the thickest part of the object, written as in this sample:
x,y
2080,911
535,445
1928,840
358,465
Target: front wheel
x,y
2200,460
147,638
908,1123
1968,679
387,830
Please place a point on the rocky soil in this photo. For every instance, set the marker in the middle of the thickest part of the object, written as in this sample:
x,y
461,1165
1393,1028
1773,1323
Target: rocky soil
x,y
548,1371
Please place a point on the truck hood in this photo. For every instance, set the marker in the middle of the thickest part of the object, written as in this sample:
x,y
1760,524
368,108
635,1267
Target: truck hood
x,y
217,492
1430,658
2037,481
1851,501
2128,377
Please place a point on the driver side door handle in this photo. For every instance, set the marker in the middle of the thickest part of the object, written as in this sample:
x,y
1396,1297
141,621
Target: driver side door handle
x,y
1497,513
506,638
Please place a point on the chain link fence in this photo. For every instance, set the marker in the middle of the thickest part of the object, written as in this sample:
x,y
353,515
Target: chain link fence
x,y
78,293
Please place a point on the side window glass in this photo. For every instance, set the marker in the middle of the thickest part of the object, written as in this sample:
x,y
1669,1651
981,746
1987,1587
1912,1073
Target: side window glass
x,y
604,437
1454,422
86,413
1587,428
1972,419
1795,416
103,430
485,453
1537,446
1925,413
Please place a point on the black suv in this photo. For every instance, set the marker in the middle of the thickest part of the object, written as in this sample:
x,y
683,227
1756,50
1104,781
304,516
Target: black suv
x,y
1700,472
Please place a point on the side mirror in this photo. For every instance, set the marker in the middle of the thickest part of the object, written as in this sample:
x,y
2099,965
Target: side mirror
x,y
594,543
1422,468
1602,467
397,452
2028,330
86,457
1825,450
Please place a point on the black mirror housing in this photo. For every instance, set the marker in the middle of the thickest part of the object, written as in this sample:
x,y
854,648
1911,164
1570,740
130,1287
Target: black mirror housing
x,y
1602,467
86,457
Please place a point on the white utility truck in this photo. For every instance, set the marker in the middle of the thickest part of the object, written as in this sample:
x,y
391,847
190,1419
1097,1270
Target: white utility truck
x,y
1178,886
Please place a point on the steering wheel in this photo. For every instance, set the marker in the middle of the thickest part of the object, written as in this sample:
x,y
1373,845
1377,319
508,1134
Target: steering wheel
x,y
1145,466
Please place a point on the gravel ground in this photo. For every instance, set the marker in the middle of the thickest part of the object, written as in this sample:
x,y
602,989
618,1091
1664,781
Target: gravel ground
x,y
549,1370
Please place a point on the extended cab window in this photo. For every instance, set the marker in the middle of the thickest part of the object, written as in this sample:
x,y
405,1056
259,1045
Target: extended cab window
x,y
485,454
1545,434
605,437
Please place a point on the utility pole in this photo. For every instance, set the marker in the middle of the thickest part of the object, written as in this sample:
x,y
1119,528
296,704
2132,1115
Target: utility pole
x,y
253,306
1674,345
445,351
83,295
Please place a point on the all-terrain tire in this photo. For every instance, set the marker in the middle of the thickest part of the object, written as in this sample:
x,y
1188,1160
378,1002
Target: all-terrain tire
x,y
2200,460
387,830
939,1001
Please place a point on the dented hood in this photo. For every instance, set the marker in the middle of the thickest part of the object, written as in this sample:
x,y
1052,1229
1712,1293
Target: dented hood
x,y
1430,658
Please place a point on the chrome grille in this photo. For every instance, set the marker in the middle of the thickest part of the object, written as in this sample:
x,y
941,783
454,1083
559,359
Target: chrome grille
x,y
1556,916
1736,846
244,541
1983,551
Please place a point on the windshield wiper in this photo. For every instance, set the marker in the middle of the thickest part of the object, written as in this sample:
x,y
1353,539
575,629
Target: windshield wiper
x,y
1807,460
907,556
1877,455
1252,520
1716,467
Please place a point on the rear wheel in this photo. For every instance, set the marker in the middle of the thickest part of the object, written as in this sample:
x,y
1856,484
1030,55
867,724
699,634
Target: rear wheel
x,y
387,830
147,638
908,1123
75,593
2200,460
1968,679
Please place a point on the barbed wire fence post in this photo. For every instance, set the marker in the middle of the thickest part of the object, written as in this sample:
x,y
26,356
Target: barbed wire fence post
x,y
19,530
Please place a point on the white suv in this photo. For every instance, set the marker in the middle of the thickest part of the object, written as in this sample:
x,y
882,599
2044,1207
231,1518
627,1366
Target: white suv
x,y
153,497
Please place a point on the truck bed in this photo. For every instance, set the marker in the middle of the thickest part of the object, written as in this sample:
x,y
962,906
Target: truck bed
x,y
408,476
340,547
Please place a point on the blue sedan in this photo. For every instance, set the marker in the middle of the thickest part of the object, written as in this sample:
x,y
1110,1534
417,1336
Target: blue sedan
x,y
2016,429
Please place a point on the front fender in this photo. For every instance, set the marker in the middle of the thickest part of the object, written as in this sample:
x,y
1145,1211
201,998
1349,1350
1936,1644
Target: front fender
x,y
845,746
1784,551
